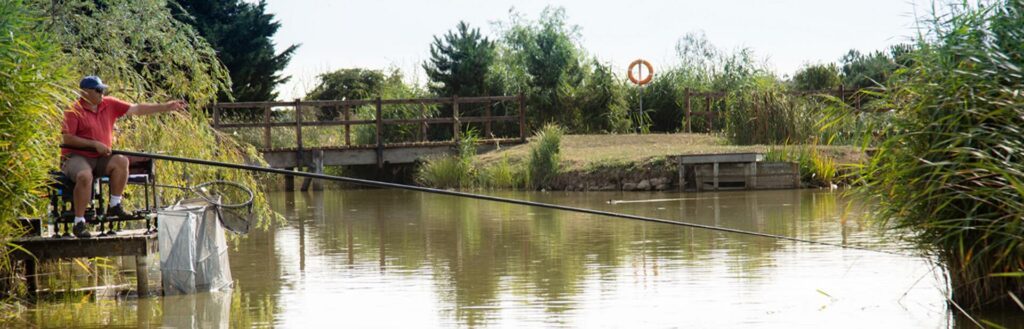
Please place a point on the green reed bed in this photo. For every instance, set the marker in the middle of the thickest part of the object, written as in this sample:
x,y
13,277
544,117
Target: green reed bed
x,y
539,170
950,168
29,123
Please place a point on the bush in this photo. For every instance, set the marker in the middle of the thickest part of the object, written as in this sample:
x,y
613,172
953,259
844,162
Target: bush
x,y
543,166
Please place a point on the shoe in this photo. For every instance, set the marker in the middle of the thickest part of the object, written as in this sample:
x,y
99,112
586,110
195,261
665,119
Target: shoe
x,y
117,212
81,231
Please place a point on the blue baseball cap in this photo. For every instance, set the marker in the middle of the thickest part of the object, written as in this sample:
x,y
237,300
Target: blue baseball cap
x,y
92,82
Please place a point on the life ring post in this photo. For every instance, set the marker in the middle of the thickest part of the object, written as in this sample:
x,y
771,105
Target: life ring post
x,y
637,79
640,80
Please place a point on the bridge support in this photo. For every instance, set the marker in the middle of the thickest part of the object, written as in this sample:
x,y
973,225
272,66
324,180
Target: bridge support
x,y
317,167
289,181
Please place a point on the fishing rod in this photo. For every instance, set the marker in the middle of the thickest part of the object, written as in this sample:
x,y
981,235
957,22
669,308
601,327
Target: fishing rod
x,y
374,183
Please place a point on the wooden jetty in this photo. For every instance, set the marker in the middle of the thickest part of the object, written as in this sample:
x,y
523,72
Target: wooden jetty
x,y
734,171
136,243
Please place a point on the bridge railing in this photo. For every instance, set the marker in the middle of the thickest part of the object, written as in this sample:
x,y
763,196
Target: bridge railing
x,y
373,123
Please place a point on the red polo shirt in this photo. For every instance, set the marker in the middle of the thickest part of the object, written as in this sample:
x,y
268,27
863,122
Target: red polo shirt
x,y
99,125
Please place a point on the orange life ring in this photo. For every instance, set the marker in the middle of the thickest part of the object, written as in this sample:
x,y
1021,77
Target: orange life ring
x,y
649,69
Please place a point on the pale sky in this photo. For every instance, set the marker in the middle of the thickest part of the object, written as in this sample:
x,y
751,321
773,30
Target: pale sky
x,y
338,34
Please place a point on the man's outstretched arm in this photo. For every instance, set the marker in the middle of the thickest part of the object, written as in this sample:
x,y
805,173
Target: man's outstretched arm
x,y
144,109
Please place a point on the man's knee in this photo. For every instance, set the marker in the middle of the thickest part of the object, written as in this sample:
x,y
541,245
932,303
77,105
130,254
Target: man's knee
x,y
119,161
83,178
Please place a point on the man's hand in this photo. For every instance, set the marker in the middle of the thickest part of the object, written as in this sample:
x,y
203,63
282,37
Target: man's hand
x,y
176,105
102,149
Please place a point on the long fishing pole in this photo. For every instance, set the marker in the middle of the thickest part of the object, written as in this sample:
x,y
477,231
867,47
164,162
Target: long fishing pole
x,y
475,196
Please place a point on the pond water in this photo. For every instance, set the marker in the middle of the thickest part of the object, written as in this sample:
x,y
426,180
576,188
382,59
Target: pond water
x,y
386,258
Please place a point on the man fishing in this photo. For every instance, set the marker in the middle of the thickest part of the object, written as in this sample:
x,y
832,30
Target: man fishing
x,y
89,123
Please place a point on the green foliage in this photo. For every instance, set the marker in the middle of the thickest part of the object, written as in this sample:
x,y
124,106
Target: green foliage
x,y
30,72
703,67
816,168
141,51
764,113
874,69
563,85
950,170
543,163
451,171
241,33
445,172
602,100
817,77
393,87
547,51
346,84
761,116
459,65
501,175
460,62
663,101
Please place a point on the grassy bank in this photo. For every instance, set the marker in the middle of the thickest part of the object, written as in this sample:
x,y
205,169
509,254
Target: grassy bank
x,y
638,157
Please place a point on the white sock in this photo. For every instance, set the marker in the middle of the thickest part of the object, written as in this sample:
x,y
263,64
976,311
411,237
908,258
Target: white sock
x,y
79,220
115,200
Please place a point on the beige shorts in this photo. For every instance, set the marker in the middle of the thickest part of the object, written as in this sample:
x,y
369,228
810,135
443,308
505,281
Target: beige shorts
x,y
76,163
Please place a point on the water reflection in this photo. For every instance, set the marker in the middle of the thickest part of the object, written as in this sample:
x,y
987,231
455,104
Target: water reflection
x,y
387,258
444,261
203,310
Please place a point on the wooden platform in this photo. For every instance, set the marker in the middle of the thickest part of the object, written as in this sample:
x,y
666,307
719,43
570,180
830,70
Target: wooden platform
x,y
707,167
126,243
734,171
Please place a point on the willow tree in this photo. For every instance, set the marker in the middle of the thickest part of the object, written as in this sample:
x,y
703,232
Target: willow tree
x,y
147,56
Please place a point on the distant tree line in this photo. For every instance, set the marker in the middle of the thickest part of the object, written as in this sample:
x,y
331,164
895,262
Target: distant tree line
x,y
566,85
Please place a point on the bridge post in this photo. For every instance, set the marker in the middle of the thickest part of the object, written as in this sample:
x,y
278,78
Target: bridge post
x,y
142,274
380,130
522,117
689,128
707,112
487,124
266,128
423,125
317,168
32,274
348,127
289,181
298,131
455,119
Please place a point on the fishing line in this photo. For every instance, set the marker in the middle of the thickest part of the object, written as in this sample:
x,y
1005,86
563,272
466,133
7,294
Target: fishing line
x,y
366,182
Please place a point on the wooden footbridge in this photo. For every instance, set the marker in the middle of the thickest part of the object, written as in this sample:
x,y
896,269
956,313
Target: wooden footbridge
x,y
316,133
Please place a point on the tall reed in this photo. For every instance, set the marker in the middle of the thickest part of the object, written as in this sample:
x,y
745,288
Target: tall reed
x,y
950,168
29,122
